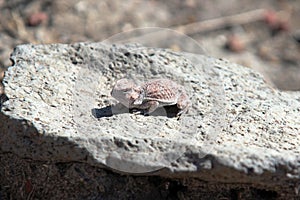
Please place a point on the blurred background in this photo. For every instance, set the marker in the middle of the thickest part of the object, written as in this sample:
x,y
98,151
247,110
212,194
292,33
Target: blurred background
x,y
263,35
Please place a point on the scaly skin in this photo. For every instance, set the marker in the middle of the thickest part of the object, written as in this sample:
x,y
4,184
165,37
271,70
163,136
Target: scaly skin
x,y
151,95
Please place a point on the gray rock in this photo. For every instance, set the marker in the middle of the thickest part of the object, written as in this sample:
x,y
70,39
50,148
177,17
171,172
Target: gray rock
x,y
239,130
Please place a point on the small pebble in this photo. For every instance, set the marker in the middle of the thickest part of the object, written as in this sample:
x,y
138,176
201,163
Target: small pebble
x,y
271,18
235,44
37,18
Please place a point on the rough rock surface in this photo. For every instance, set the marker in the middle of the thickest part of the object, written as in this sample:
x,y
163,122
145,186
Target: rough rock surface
x,y
238,132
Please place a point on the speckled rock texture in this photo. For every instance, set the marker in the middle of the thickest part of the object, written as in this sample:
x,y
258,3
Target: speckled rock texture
x,y
237,131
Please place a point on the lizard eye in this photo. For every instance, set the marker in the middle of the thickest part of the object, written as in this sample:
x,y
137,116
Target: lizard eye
x,y
127,94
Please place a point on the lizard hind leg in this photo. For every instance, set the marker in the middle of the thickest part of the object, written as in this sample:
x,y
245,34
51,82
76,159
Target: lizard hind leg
x,y
183,104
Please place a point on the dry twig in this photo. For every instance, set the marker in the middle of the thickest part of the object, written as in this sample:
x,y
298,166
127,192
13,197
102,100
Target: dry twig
x,y
218,23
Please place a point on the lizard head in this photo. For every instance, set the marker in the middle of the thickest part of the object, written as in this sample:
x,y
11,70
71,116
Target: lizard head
x,y
126,92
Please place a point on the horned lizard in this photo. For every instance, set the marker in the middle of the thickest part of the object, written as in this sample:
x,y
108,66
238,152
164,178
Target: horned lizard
x,y
151,95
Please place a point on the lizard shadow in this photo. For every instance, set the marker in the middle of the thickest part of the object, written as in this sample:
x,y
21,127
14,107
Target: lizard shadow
x,y
3,98
109,111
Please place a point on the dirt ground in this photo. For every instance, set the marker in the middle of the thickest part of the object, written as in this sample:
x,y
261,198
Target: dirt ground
x,y
267,40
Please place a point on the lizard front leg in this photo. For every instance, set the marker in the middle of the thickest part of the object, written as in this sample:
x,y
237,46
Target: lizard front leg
x,y
149,106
